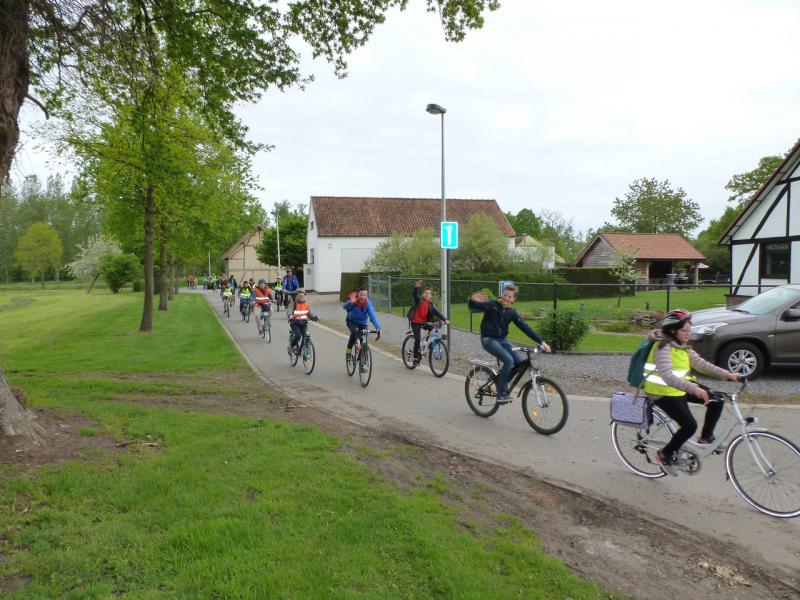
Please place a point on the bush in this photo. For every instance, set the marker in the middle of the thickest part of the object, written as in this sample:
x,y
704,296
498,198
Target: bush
x,y
564,329
138,285
119,269
350,282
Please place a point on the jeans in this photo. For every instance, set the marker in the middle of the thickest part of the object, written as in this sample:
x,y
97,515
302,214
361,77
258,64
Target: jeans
x,y
677,409
354,329
501,349
415,329
298,331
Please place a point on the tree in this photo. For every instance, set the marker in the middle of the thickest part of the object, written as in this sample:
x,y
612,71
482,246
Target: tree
x,y
707,242
652,206
482,248
744,185
559,232
90,256
39,250
623,269
525,222
119,269
419,254
294,252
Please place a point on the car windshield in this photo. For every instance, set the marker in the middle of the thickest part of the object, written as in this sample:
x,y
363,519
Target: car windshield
x,y
769,301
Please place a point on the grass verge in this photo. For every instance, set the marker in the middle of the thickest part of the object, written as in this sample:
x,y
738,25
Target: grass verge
x,y
215,505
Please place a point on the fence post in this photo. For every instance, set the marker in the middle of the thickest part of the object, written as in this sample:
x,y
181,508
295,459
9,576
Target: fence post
x,y
389,293
469,310
555,296
668,286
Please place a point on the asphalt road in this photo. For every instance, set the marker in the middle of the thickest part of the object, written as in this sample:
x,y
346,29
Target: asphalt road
x,y
580,456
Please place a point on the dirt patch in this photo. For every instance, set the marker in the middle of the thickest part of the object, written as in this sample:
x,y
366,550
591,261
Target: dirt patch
x,y
66,437
613,545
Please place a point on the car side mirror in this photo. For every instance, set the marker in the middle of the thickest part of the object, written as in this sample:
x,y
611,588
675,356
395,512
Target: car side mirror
x,y
791,314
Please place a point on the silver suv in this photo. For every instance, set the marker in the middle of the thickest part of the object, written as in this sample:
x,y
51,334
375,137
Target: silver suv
x,y
764,330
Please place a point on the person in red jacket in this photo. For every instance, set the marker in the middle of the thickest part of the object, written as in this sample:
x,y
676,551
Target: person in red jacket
x,y
422,312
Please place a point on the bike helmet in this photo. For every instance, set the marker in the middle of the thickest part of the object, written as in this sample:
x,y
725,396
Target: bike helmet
x,y
262,280
673,317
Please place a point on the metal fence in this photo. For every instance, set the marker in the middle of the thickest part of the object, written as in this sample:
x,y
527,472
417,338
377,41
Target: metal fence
x,y
603,304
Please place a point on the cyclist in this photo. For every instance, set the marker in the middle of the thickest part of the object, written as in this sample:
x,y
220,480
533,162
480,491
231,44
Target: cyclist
x,y
670,385
359,313
298,320
497,315
290,282
232,283
263,299
245,295
422,311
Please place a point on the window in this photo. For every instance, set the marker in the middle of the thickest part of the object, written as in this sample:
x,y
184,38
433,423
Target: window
x,y
775,261
311,225
311,255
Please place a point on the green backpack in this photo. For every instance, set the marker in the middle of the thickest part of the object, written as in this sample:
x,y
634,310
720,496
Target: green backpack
x,y
638,361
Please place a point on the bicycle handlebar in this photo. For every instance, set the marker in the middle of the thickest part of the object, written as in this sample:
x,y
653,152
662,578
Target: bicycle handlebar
x,y
721,396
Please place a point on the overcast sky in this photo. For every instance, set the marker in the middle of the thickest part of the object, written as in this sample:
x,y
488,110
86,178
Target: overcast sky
x,y
557,105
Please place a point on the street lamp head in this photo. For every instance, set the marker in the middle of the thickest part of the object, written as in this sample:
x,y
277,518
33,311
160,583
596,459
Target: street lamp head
x,y
435,109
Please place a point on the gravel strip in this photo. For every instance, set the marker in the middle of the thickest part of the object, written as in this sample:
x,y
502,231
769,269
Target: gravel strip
x,y
591,374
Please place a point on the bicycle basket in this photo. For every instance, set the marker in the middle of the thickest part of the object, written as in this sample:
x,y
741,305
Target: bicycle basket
x,y
631,409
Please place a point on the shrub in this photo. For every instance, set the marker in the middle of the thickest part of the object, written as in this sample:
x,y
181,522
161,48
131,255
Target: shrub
x,y
119,269
138,285
564,329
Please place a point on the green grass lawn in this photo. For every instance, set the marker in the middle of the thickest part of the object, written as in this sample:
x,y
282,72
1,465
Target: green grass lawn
x,y
598,311
217,506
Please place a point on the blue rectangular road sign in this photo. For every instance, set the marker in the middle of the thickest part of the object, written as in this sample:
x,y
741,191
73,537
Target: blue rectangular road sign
x,y
501,286
448,235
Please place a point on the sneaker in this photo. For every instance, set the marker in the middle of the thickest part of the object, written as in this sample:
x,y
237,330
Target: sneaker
x,y
503,398
706,441
666,463
289,349
364,368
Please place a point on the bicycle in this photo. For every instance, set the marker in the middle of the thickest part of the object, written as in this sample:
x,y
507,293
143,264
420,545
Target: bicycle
x,y
278,299
361,356
246,309
306,350
433,344
546,412
763,467
265,323
227,301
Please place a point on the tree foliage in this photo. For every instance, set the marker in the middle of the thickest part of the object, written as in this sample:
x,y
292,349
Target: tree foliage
x,y
652,206
623,269
293,228
90,257
744,185
525,222
39,250
119,269
418,254
482,248
717,257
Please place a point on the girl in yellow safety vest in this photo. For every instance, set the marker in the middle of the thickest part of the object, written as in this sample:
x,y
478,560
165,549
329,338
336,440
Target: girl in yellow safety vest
x,y
670,385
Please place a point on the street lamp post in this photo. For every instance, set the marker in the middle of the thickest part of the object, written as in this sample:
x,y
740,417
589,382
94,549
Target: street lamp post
x,y
435,109
278,233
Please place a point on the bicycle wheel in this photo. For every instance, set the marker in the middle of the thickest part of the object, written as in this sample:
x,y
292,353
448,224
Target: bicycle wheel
x,y
309,357
408,352
438,358
227,309
547,410
481,392
262,327
365,366
764,467
268,329
247,313
350,361
636,447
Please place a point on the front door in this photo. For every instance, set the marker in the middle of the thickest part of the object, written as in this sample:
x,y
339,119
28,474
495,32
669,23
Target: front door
x,y
786,342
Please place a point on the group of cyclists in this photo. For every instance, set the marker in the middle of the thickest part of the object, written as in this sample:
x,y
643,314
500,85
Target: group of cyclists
x,y
668,383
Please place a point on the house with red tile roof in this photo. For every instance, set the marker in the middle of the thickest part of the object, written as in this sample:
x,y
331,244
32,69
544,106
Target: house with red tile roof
x,y
656,254
343,231
764,239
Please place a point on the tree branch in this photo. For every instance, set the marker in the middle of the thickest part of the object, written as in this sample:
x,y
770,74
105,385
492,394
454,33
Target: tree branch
x,y
39,104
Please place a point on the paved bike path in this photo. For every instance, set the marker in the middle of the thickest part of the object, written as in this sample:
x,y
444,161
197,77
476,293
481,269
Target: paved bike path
x,y
580,456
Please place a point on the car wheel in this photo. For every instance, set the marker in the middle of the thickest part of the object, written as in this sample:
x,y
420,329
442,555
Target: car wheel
x,y
744,358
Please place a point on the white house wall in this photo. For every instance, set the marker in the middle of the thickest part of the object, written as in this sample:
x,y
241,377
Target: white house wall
x,y
747,229
775,225
794,261
333,256
739,257
794,211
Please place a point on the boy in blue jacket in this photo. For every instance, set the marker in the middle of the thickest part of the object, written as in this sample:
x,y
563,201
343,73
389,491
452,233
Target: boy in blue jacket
x,y
359,313
497,315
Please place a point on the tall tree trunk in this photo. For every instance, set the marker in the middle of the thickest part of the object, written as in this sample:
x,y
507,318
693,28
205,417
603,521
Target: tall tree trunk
x,y
171,283
149,290
14,419
94,280
162,270
14,76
